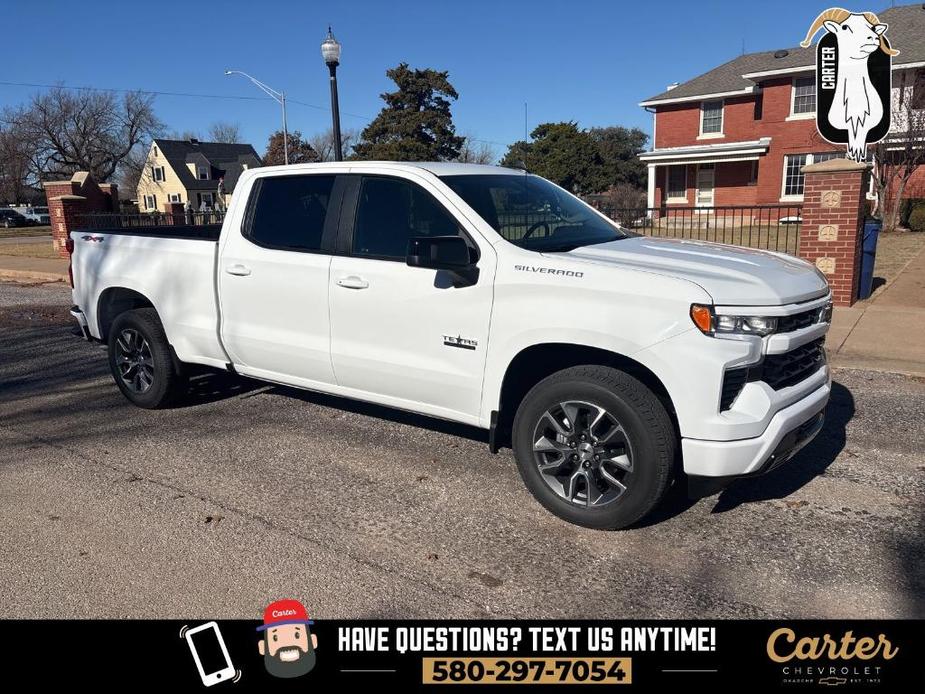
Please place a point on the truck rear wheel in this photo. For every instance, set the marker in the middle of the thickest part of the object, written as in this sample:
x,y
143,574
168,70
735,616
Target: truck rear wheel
x,y
594,446
141,361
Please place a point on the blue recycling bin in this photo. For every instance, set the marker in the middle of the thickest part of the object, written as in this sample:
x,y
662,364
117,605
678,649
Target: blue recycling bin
x,y
868,256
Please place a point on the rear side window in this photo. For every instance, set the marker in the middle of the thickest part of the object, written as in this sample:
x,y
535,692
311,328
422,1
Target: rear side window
x,y
390,211
289,212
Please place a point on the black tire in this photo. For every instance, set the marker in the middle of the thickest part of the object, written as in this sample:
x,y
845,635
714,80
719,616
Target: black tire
x,y
648,430
168,383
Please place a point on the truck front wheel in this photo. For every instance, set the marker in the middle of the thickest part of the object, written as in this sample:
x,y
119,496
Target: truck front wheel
x,y
594,446
141,362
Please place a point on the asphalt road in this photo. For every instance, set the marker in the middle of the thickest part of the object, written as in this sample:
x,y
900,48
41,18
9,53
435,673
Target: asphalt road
x,y
252,493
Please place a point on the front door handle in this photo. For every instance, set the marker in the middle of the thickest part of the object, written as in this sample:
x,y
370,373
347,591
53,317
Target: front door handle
x,y
238,269
352,282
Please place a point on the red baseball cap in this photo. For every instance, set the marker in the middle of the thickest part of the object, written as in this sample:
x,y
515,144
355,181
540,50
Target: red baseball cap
x,y
284,612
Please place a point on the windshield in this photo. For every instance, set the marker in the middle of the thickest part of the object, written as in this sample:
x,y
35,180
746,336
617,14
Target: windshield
x,y
532,213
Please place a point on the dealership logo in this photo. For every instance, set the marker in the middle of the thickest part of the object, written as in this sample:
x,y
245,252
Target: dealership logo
x,y
853,79
829,660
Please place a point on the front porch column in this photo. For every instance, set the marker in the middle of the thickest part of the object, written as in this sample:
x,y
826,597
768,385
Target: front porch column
x,y
650,197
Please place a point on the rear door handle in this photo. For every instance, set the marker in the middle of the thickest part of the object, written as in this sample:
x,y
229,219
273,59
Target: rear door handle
x,y
238,269
352,282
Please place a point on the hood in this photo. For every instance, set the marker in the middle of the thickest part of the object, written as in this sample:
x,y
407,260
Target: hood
x,y
732,275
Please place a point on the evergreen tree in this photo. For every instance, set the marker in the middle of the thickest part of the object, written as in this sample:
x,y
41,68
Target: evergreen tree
x,y
416,123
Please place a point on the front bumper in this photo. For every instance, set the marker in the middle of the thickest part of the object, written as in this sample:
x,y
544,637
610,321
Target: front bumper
x,y
788,431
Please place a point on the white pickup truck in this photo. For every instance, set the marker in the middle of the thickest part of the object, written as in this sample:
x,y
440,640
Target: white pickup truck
x,y
610,362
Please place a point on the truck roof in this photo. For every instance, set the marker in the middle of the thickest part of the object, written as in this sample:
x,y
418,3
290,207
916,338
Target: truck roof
x,y
438,168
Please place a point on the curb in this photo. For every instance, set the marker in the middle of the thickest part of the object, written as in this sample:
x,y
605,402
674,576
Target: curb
x,y
31,276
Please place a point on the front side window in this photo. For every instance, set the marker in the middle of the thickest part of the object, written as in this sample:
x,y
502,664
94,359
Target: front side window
x,y
158,173
711,117
532,213
804,95
289,212
391,211
150,202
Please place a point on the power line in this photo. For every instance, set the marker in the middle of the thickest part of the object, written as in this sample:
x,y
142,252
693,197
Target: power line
x,y
117,90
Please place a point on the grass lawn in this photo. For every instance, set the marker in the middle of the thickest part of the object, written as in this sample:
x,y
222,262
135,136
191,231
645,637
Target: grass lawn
x,y
29,250
25,231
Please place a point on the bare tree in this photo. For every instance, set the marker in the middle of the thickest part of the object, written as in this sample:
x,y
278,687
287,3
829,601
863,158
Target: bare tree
x,y
66,131
476,151
224,131
14,168
188,134
898,156
323,143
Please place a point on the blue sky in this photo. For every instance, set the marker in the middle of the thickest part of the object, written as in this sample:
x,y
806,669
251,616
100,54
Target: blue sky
x,y
578,60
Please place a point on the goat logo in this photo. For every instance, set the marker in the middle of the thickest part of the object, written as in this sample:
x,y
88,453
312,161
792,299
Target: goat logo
x,y
853,65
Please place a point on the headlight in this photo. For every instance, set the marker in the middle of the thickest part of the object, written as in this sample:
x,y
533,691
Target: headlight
x,y
709,323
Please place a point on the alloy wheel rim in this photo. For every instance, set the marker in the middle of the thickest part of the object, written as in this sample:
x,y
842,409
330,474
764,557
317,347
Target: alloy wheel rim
x,y
583,453
134,361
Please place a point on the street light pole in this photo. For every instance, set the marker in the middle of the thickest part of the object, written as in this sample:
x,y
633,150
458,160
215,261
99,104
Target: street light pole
x,y
279,97
330,51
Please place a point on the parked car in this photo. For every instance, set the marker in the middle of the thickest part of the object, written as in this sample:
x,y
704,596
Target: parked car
x,y
11,218
612,363
36,215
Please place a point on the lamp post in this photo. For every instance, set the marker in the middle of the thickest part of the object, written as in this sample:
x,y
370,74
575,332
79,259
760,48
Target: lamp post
x,y
279,97
330,51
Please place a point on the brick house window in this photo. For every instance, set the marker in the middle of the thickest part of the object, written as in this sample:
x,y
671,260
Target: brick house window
x,y
753,174
711,117
676,188
793,170
804,96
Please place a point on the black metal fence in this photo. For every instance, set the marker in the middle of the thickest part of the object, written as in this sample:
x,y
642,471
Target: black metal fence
x,y
771,227
119,220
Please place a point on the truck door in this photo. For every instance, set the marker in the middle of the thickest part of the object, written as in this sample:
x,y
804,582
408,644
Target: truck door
x,y
400,335
273,279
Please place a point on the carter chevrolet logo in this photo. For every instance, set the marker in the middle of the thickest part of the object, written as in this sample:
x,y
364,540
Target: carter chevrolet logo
x,y
461,342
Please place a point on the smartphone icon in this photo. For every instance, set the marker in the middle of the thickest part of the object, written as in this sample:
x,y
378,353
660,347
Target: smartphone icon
x,y
210,653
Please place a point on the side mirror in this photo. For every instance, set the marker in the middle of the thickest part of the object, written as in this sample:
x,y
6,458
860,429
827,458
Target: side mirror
x,y
449,253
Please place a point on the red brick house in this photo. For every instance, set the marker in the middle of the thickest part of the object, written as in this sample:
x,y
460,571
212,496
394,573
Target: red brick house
x,y
740,133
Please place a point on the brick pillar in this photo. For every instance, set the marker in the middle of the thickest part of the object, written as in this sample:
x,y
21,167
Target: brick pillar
x,y
68,200
833,216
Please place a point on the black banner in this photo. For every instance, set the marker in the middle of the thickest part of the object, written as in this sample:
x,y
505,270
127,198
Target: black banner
x,y
428,655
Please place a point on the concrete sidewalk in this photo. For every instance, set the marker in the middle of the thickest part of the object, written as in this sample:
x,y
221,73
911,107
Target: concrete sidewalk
x,y
886,333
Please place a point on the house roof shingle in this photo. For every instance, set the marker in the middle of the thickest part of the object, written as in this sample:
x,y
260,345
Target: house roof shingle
x,y
227,158
906,33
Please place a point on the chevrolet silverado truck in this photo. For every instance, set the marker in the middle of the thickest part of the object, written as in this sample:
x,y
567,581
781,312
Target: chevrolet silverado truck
x,y
613,364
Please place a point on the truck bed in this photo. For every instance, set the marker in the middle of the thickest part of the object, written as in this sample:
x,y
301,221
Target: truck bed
x,y
195,232
172,266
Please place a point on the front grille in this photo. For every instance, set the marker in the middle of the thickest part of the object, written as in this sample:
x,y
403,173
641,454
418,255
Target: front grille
x,y
784,370
787,324
733,382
